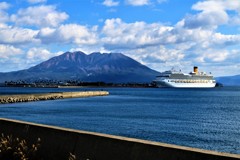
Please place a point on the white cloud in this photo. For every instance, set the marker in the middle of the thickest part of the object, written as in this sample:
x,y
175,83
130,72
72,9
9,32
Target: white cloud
x,y
162,54
121,35
214,5
207,19
221,40
137,2
12,59
159,57
195,40
13,35
4,5
36,1
69,33
3,14
3,25
212,55
11,64
110,3
158,45
213,13
37,55
6,51
41,16
217,56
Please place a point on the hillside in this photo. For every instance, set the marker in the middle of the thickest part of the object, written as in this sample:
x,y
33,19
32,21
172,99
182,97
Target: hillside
x,y
112,67
229,80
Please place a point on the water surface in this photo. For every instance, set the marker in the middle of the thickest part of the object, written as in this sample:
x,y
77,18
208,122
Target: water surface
x,y
200,118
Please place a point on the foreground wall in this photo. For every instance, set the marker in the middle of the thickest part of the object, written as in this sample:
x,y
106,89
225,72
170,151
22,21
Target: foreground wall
x,y
57,143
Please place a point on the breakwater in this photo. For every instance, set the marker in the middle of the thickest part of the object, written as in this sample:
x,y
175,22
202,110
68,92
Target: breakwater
x,y
48,96
57,143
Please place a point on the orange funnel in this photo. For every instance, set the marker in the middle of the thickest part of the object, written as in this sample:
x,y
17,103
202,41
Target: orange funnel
x,y
195,69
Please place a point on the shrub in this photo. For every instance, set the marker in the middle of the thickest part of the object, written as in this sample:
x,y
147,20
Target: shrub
x,y
17,149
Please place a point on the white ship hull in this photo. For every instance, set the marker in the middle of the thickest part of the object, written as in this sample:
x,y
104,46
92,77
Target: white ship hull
x,y
166,83
194,79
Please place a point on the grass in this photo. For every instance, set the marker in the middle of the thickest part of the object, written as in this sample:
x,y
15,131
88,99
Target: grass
x,y
18,149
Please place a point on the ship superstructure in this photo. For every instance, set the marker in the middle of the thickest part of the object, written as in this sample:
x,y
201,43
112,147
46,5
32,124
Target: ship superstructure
x,y
177,79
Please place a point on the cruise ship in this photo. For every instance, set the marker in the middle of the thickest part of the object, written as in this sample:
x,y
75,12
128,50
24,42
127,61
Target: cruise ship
x,y
177,79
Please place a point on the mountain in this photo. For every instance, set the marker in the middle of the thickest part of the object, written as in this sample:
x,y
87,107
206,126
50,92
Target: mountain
x,y
112,67
229,80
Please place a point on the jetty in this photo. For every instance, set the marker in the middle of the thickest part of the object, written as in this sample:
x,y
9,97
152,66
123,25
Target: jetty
x,y
48,96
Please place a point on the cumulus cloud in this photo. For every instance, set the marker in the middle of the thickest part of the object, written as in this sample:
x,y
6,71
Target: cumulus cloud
x,y
213,13
221,40
12,59
212,56
36,1
3,14
6,51
216,55
207,19
14,35
4,5
41,16
170,46
37,55
110,3
159,58
69,33
211,5
121,35
194,40
162,54
137,2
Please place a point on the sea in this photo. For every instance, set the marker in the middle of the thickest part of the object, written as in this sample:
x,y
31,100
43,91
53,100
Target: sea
x,y
200,118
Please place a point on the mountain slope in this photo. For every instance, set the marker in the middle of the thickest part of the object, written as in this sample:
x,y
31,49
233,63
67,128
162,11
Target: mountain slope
x,y
113,67
229,80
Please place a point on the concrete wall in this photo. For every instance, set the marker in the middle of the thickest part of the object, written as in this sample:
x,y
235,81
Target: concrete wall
x,y
48,96
56,143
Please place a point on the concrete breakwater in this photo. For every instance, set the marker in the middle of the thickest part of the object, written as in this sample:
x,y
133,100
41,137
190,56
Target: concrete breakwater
x,y
48,96
57,143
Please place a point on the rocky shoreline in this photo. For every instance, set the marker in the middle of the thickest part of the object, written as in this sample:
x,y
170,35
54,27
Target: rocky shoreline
x,y
48,96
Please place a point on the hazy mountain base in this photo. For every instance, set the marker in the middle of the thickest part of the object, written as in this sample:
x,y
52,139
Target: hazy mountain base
x,y
229,80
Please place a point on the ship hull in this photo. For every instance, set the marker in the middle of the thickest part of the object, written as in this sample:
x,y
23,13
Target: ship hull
x,y
177,79
184,85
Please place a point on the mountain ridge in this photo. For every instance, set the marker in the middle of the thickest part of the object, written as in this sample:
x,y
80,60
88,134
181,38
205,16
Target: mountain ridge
x,y
94,67
105,67
229,80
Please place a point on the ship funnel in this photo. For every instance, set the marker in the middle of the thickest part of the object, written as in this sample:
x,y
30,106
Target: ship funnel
x,y
195,69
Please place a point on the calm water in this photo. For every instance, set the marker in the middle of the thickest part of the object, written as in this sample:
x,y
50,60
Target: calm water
x,y
201,118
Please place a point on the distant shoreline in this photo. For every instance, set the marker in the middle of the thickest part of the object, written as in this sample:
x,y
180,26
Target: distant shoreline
x,y
83,85
86,85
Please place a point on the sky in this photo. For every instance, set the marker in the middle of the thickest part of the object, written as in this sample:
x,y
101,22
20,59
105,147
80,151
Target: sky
x,y
161,34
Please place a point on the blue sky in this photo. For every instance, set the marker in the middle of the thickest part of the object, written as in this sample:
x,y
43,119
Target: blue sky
x,y
158,33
